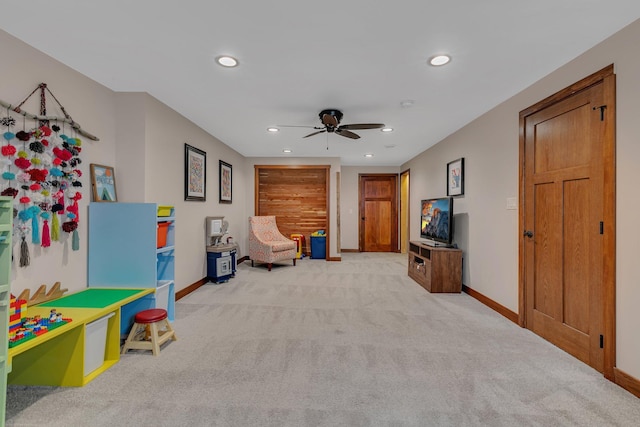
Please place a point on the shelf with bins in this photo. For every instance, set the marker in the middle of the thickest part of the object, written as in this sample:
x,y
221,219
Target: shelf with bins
x,y
165,258
124,252
6,226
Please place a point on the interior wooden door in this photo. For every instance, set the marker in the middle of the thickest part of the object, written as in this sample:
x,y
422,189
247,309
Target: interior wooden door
x,y
378,213
565,199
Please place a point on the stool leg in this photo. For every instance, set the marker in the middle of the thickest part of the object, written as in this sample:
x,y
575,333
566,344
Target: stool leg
x,y
130,338
155,347
170,330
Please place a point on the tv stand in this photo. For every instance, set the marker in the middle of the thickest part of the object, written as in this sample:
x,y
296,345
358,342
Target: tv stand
x,y
435,268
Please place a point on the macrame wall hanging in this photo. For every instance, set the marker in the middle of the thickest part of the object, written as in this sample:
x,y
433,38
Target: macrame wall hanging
x,y
40,170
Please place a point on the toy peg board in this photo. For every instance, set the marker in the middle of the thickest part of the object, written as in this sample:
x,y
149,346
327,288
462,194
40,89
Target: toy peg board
x,y
92,298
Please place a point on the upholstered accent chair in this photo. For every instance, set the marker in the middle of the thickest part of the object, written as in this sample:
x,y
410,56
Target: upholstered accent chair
x,y
267,244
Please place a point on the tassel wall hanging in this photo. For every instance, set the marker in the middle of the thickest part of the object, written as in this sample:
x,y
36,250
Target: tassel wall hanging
x,y
40,169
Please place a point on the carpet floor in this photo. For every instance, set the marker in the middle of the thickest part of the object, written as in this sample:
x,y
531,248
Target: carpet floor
x,y
351,343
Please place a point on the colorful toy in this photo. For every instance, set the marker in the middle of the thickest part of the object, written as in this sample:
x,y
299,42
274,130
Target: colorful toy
x,y
17,310
27,328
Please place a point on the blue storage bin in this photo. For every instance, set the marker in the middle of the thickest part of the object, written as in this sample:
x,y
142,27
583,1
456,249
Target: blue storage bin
x,y
318,247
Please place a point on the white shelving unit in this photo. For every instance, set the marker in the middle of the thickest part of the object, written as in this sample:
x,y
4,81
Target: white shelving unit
x,y
123,252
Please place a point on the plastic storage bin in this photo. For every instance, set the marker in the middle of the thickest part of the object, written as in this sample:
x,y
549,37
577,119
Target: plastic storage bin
x,y
162,296
95,342
163,228
318,247
164,210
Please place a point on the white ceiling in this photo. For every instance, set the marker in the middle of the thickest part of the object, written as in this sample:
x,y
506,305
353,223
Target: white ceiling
x,y
298,57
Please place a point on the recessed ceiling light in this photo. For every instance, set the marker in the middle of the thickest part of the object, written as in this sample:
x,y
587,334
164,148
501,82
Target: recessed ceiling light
x,y
272,129
407,103
227,61
368,155
287,150
438,60
386,130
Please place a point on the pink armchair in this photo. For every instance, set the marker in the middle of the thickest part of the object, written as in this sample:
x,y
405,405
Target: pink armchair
x,y
267,244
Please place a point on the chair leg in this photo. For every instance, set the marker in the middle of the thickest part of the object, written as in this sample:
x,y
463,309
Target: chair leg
x,y
251,263
294,262
269,266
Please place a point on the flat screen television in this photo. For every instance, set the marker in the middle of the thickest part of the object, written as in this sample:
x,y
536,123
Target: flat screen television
x,y
436,221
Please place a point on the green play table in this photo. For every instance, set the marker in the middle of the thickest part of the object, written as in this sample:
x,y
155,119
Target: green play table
x,y
57,357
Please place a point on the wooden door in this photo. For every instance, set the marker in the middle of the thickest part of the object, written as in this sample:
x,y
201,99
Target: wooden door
x,y
565,159
378,213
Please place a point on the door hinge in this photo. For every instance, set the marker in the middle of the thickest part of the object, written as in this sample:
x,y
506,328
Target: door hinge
x,y
601,108
601,227
601,341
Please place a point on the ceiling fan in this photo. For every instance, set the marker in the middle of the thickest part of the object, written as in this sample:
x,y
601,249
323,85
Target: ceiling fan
x,y
330,119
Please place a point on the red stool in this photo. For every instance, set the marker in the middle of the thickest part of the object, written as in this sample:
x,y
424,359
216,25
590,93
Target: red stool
x,y
150,330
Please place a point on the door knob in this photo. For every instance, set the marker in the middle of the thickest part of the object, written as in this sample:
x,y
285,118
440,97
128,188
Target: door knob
x,y
528,233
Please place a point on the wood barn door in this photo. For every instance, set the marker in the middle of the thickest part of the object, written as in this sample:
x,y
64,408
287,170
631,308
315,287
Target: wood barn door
x,y
297,195
566,217
378,213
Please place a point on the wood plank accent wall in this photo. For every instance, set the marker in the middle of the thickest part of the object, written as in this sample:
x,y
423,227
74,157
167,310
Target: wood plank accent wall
x,y
297,195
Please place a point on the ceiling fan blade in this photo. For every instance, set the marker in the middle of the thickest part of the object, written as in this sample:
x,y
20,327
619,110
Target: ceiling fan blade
x,y
346,133
314,133
298,126
363,126
329,120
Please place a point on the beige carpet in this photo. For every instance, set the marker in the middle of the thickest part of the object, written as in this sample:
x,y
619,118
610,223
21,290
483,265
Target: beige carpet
x,y
354,343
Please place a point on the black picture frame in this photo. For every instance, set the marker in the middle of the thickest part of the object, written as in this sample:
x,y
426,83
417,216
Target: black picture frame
x,y
455,177
226,182
195,174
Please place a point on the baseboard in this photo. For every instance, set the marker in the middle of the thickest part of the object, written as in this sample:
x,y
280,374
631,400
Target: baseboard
x,y
491,304
186,291
627,382
349,250
335,258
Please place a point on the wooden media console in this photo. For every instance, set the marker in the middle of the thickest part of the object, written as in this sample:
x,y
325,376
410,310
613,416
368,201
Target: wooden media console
x,y
437,269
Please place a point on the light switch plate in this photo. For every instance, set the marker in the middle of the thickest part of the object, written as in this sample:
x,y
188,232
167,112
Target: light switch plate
x,y
512,203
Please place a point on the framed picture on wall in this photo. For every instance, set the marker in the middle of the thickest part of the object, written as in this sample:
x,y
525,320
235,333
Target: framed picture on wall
x,y
195,174
225,182
103,183
455,177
